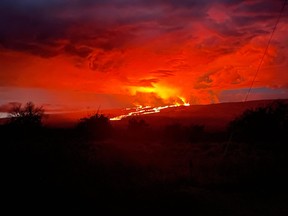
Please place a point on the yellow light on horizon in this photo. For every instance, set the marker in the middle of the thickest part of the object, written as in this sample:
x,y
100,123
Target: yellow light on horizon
x,y
162,91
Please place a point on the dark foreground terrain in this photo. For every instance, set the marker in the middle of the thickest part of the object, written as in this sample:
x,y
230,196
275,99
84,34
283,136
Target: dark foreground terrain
x,y
137,168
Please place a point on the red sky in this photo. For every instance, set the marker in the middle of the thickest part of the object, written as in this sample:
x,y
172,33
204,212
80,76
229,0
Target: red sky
x,y
78,54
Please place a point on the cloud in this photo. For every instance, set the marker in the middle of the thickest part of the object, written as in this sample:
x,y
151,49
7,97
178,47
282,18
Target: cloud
x,y
197,48
142,82
105,61
162,73
4,108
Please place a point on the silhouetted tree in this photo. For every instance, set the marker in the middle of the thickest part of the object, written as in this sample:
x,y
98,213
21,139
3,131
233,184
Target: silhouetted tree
x,y
268,124
97,126
27,116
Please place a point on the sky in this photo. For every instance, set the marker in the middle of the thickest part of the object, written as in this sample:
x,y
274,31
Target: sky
x,y
85,54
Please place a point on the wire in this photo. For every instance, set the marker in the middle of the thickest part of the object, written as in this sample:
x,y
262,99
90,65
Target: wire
x,y
257,71
265,52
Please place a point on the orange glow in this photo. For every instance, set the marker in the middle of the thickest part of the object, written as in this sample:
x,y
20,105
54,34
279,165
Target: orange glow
x,y
145,110
142,55
166,94
161,91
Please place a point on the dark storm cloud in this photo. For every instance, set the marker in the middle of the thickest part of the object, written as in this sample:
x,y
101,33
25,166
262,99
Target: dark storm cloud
x,y
25,25
258,11
260,7
78,51
91,23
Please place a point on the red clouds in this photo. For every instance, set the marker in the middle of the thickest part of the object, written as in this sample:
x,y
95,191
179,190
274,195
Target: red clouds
x,y
150,51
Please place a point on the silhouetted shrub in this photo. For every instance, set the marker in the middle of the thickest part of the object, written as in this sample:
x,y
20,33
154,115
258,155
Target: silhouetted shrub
x,y
97,126
26,117
268,124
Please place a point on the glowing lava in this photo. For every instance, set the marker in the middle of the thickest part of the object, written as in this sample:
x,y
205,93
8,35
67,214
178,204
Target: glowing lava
x,y
145,110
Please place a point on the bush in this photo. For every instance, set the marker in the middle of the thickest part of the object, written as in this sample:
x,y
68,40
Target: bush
x,y
268,124
97,126
28,116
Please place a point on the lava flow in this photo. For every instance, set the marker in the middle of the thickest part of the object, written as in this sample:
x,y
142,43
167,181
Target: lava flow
x,y
145,110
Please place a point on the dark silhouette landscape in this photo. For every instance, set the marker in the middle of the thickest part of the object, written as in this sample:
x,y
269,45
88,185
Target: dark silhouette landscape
x,y
222,159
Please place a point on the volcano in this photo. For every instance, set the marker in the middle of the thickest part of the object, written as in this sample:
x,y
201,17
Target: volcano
x,y
213,116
